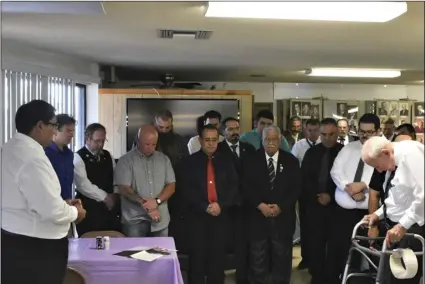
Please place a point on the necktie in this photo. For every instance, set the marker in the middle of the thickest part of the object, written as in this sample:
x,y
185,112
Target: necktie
x,y
314,143
212,193
324,171
341,140
387,189
359,171
234,147
272,174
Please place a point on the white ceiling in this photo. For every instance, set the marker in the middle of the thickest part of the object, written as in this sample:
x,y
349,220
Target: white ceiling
x,y
238,48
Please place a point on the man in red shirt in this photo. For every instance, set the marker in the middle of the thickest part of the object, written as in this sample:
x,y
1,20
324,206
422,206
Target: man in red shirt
x,y
208,183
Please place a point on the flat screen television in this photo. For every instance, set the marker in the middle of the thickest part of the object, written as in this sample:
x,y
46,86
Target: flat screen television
x,y
185,112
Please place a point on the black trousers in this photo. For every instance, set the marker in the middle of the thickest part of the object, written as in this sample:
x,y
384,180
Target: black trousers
x,y
32,260
99,218
319,220
411,243
241,245
207,248
271,257
343,222
302,211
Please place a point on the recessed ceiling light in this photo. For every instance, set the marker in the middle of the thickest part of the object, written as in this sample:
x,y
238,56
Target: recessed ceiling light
x,y
355,73
315,11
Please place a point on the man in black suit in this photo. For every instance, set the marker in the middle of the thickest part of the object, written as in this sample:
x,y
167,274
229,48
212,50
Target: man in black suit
x,y
237,151
294,133
208,184
272,184
318,194
344,138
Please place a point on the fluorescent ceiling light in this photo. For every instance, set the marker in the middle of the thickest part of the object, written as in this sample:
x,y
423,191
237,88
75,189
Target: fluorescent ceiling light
x,y
356,73
316,11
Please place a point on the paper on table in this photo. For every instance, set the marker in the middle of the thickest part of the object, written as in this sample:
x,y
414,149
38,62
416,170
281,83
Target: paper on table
x,y
144,255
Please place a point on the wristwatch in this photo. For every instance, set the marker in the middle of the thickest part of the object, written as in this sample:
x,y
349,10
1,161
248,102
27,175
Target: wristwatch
x,y
158,201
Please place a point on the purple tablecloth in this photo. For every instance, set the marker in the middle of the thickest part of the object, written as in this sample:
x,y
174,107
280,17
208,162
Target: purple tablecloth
x,y
103,267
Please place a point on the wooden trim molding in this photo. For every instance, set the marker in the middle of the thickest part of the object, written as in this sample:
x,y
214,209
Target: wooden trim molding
x,y
177,92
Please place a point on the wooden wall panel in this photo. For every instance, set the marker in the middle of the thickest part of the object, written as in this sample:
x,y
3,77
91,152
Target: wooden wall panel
x,y
113,110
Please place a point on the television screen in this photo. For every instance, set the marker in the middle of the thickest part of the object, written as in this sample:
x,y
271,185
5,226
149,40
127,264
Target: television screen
x,y
185,112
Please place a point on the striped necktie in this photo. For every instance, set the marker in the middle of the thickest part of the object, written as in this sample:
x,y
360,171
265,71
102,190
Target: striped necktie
x,y
272,174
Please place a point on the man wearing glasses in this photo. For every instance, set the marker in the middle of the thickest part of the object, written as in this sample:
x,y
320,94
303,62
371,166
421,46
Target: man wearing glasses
x,y
61,156
93,177
351,177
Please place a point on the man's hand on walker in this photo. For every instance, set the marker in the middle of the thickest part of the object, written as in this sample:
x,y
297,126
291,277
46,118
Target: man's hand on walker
x,y
395,234
372,220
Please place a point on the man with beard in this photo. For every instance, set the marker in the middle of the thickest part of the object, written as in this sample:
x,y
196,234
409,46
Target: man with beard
x,y
294,133
169,142
208,182
318,197
344,138
93,176
237,151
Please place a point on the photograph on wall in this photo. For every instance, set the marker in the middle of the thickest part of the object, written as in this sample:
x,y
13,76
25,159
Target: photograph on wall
x,y
353,111
383,108
403,120
404,109
370,107
315,114
341,110
296,108
418,108
305,109
352,126
393,109
420,138
419,124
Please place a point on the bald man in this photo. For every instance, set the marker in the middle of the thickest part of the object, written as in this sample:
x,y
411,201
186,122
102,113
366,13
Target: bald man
x,y
145,181
403,208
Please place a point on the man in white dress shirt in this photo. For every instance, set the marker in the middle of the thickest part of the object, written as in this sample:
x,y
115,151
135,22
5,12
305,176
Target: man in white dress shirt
x,y
312,132
35,219
351,177
210,117
403,209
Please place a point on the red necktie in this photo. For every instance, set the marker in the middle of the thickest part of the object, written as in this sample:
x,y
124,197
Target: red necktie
x,y
212,193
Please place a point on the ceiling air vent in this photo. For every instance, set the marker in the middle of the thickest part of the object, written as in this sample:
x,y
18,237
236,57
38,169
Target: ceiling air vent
x,y
184,34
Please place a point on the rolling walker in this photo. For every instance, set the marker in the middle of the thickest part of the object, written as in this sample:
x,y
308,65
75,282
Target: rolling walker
x,y
366,252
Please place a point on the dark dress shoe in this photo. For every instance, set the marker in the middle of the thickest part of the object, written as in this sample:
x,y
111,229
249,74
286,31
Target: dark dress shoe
x,y
302,265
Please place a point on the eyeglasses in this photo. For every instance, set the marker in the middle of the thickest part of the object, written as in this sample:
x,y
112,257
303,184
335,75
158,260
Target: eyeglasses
x,y
54,124
366,133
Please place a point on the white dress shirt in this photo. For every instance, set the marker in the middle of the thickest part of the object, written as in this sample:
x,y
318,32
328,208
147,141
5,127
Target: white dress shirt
x,y
194,145
237,150
31,193
275,157
343,172
405,201
300,148
82,182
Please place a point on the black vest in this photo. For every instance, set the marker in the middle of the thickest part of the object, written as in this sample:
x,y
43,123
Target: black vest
x,y
99,170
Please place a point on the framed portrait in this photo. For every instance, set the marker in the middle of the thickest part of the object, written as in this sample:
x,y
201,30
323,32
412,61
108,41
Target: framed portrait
x,y
342,109
399,111
305,109
418,109
418,123
370,107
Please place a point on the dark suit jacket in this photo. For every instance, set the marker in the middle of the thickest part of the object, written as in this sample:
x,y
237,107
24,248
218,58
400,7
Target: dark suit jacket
x,y
257,189
192,176
245,150
310,169
291,141
404,112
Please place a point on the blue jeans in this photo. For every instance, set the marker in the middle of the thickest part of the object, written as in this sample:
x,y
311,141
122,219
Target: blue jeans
x,y
142,230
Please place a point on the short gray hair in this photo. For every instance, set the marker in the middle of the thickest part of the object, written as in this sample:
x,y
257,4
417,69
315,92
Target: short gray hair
x,y
271,128
373,147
